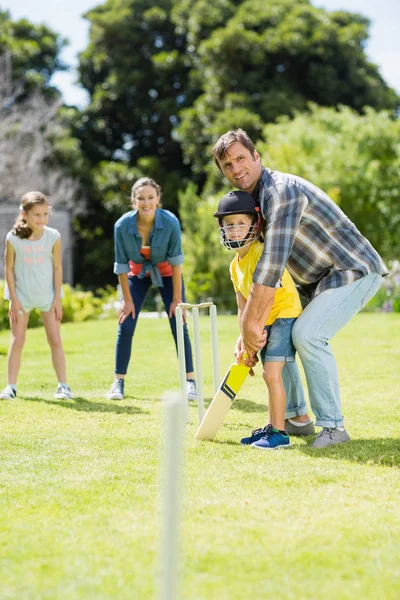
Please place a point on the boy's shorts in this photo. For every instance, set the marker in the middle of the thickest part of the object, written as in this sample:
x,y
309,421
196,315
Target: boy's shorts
x,y
279,346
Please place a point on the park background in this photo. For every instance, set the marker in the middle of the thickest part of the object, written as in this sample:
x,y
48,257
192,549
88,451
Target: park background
x,y
159,82
80,504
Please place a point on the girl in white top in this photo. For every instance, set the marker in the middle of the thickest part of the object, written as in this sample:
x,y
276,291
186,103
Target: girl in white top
x,y
33,268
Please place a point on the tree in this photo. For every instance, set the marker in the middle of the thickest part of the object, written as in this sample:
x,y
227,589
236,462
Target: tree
x,y
354,158
32,56
206,266
135,73
270,58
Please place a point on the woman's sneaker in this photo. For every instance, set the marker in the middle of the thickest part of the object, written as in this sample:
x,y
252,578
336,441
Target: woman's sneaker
x,y
63,392
256,434
116,391
8,393
191,389
273,440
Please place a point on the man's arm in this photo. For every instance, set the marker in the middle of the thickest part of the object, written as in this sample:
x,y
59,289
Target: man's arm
x,y
282,211
254,317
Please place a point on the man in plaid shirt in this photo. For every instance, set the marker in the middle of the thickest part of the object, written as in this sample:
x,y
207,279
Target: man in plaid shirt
x,y
334,265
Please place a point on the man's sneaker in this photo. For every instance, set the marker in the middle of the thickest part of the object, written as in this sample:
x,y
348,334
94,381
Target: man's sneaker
x,y
330,436
256,434
306,429
273,439
63,392
117,390
191,389
8,393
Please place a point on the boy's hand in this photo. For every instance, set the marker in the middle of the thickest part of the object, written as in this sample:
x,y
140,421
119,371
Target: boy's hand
x,y
243,357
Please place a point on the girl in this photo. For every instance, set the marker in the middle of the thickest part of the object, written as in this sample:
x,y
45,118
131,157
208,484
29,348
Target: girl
x,y
148,250
33,269
240,226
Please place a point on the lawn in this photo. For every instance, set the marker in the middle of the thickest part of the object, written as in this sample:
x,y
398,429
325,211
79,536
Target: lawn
x,y
80,479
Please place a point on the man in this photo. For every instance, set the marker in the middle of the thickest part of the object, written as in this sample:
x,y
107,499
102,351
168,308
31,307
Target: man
x,y
327,257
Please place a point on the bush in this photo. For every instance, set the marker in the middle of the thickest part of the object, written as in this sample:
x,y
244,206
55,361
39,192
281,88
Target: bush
x,y
77,304
388,297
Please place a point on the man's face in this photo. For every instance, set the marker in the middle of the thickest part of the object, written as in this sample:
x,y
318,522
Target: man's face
x,y
240,167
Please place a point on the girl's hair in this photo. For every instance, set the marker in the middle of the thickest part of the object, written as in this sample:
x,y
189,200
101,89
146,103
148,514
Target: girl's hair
x,y
140,183
28,201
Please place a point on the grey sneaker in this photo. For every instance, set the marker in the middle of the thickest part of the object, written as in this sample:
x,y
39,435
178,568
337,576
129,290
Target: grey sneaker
x,y
63,392
116,391
307,429
330,436
191,389
8,393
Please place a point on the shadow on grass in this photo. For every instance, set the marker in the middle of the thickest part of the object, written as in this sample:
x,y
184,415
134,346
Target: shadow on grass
x,y
81,404
375,451
243,405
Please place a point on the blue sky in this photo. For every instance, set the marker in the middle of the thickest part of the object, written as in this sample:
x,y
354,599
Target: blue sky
x,y
64,16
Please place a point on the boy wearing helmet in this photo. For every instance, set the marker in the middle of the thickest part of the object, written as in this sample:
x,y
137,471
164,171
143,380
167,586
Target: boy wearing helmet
x,y
241,228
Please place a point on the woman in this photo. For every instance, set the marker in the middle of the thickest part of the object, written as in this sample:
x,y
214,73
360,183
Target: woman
x,y
148,251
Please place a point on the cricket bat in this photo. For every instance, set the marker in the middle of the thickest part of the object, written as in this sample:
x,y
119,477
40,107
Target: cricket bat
x,y
222,402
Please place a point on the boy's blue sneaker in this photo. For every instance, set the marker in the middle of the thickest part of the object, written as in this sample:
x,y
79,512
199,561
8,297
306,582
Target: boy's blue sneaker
x,y
273,439
256,434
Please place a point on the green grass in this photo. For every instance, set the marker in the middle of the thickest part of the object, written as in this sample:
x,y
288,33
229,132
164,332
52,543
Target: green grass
x,y
80,480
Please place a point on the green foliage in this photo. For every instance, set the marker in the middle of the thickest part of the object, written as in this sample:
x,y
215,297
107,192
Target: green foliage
x,y
206,266
275,56
34,51
354,158
388,297
77,304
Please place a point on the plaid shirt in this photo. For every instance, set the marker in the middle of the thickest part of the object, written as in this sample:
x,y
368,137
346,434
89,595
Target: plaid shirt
x,y
310,235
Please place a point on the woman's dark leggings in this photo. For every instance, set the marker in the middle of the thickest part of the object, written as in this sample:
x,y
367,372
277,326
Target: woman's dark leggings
x,y
139,288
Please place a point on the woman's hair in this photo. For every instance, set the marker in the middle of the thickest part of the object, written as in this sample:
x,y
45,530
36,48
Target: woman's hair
x,y
226,141
140,183
28,201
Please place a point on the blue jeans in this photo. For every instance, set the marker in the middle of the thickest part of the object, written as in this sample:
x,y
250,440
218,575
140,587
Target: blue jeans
x,y
321,320
279,346
139,288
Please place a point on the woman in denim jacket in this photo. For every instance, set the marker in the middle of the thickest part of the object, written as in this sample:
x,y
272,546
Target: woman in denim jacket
x,y
148,251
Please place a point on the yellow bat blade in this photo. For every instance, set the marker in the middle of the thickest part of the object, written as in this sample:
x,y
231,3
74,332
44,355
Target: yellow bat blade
x,y
222,402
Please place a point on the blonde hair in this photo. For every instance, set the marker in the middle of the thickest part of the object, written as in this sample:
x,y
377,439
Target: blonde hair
x,y
28,201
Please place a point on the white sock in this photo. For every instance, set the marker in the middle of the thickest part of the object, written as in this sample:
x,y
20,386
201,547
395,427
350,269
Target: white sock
x,y
299,424
13,386
340,428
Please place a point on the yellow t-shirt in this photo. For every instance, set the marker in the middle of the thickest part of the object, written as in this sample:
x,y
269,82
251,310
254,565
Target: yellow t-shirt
x,y
287,303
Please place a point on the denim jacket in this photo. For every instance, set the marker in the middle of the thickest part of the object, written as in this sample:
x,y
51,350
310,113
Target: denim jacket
x,y
165,241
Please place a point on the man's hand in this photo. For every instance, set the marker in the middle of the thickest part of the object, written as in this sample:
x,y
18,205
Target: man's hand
x,y
254,337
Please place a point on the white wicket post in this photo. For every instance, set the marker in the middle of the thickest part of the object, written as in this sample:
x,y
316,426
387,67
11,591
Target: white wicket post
x,y
199,369
182,362
171,496
196,334
214,342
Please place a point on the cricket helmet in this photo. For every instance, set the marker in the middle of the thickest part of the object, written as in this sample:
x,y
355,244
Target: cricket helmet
x,y
234,203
